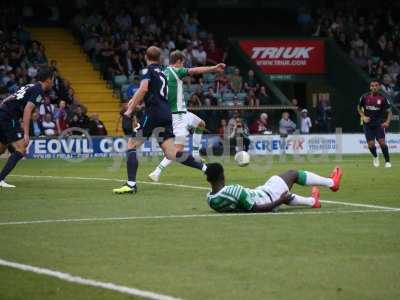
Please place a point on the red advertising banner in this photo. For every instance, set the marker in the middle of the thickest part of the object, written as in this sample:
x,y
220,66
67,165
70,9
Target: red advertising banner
x,y
286,56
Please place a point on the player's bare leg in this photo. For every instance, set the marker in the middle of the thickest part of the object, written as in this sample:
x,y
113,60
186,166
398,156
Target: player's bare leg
x,y
372,149
186,159
310,179
155,175
385,151
132,164
15,157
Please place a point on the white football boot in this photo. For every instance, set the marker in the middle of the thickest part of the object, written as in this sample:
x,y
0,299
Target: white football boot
x,y
4,184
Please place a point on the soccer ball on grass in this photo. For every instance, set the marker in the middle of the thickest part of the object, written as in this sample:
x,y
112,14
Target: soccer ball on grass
x,y
242,158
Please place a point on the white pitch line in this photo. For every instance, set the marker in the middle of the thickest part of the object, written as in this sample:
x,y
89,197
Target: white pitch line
x,y
216,215
193,187
84,281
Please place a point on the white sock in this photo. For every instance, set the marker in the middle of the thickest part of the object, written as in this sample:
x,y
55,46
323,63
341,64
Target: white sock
x,y
197,139
314,179
204,168
163,164
300,200
131,183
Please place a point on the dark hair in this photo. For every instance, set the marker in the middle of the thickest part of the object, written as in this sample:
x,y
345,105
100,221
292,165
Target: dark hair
x,y
153,53
45,73
175,56
214,172
374,80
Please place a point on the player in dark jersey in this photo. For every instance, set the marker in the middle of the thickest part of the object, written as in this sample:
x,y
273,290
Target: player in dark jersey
x,y
373,107
157,120
14,108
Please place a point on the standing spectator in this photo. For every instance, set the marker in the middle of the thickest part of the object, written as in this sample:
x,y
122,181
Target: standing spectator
x,y
49,127
35,127
324,116
61,117
259,126
236,81
239,131
96,126
222,128
251,81
305,122
46,108
286,125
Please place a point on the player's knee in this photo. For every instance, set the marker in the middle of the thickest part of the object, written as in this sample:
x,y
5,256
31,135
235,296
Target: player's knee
x,y
371,144
21,148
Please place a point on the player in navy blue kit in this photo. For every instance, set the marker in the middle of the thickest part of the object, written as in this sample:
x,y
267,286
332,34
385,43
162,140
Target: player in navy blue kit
x,y
157,120
14,108
373,107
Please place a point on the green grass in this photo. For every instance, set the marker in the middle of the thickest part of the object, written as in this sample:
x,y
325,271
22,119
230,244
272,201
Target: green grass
x,y
340,255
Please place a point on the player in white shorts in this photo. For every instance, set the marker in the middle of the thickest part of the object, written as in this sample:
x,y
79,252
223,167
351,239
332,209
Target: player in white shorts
x,y
182,119
275,192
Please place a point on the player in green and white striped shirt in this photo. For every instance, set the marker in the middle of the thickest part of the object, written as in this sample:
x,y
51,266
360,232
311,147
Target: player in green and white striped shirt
x,y
275,192
182,119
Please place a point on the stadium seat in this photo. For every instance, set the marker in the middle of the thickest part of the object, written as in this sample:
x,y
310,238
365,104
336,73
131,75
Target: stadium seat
x,y
120,80
209,77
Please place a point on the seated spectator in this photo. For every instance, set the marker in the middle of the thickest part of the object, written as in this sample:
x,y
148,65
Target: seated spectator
x,y
96,126
194,101
286,125
260,126
236,81
199,55
35,127
61,117
214,55
49,127
115,67
251,99
263,96
79,119
305,122
211,96
46,107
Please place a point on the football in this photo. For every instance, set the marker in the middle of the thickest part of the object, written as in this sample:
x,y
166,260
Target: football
x,y
242,158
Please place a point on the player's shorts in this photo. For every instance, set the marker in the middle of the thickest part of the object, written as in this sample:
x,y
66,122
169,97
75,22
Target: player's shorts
x,y
161,129
10,130
273,188
182,123
374,132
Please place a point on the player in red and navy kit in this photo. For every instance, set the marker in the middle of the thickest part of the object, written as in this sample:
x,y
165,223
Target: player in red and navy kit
x,y
373,107
157,120
14,108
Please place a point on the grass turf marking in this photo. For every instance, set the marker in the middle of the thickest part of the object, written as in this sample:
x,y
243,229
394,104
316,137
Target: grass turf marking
x,y
84,281
287,213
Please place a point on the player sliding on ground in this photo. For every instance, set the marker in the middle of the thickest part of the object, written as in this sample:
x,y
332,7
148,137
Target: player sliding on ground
x,y
157,117
236,198
182,119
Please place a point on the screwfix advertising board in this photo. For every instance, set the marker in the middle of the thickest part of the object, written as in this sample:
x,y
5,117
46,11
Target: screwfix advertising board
x,y
286,56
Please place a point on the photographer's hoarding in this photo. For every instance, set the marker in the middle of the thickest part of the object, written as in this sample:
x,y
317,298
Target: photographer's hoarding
x,y
286,56
82,147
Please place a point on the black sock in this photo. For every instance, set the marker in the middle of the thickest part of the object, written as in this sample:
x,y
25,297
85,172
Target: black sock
x,y
373,151
10,164
131,164
385,151
188,160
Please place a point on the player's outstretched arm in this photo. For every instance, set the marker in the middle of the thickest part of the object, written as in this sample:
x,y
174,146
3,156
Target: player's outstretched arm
x,y
270,206
27,120
137,98
212,69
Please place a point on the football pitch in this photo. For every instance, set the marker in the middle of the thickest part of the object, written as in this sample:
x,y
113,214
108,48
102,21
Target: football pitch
x,y
64,235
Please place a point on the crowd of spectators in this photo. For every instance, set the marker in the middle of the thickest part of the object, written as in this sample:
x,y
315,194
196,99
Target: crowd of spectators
x,y
116,37
20,59
371,37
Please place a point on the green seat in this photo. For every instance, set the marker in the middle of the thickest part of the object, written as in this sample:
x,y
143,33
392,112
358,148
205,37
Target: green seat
x,y
120,80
